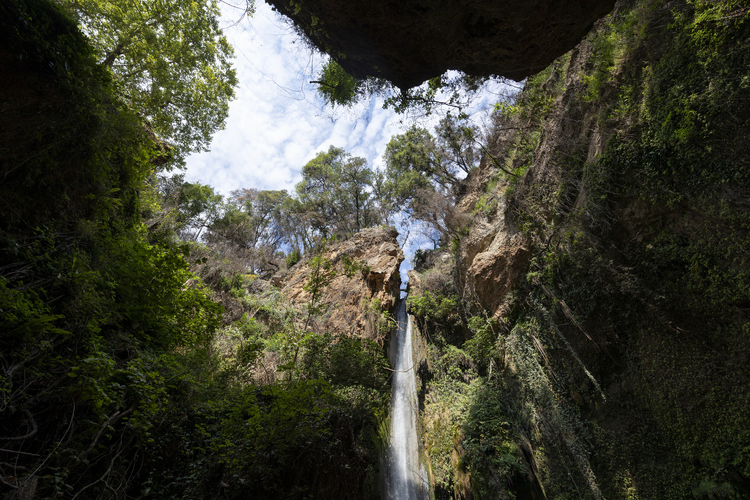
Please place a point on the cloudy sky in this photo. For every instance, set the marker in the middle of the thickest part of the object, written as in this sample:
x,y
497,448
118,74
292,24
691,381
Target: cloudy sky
x,y
277,122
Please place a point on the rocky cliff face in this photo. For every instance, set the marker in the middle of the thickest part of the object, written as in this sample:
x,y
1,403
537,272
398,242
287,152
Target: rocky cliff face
x,y
411,41
492,259
353,303
604,282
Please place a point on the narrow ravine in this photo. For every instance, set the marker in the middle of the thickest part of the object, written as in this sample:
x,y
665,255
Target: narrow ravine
x,y
404,481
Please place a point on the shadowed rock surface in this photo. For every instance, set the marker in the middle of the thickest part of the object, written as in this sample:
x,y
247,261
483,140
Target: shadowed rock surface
x,y
408,42
605,285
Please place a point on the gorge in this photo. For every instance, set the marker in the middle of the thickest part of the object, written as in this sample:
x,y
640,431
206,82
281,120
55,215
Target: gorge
x,y
579,330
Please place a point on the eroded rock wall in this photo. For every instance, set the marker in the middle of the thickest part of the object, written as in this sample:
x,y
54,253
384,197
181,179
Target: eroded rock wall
x,y
604,276
347,299
492,259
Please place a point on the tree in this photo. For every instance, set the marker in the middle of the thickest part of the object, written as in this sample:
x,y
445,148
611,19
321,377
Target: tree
x,y
337,86
335,194
267,218
454,90
355,179
416,158
170,63
262,225
412,161
422,172
297,224
250,227
198,208
457,143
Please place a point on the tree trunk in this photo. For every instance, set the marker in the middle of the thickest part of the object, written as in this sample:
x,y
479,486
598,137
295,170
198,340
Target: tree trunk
x,y
110,59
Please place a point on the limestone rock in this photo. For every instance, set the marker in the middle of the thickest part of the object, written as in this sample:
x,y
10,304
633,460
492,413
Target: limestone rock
x,y
410,41
493,258
415,282
347,299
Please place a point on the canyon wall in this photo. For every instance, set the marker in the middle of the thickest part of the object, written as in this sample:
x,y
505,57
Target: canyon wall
x,y
599,340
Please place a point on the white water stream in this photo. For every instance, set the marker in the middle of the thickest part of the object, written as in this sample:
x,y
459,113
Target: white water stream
x,y
405,480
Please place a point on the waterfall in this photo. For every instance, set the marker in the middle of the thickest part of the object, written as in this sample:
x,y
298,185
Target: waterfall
x,y
406,480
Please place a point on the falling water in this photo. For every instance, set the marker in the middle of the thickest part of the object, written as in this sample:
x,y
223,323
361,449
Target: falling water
x,y
405,480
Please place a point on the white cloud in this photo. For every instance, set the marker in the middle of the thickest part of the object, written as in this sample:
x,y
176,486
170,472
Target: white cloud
x,y
277,122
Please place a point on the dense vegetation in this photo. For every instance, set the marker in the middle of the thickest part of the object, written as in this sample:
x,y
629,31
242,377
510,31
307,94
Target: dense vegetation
x,y
140,355
169,61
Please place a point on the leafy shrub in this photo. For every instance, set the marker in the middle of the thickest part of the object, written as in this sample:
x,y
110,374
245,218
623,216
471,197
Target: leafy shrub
x,y
293,257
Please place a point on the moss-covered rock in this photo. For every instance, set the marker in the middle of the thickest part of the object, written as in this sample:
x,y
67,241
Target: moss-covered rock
x,y
619,356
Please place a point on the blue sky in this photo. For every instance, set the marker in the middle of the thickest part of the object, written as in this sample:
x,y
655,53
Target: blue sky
x,y
277,122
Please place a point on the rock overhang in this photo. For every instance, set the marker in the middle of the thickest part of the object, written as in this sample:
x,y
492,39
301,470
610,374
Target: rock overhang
x,y
410,41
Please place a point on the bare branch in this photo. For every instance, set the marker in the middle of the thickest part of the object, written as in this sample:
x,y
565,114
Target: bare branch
x,y
111,420
3,450
3,481
30,433
108,471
